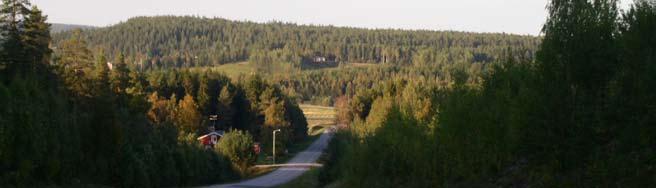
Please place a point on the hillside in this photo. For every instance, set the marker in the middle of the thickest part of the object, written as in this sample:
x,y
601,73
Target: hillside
x,y
57,27
170,41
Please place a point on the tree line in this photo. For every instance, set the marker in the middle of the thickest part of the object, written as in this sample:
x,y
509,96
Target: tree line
x,y
173,42
578,115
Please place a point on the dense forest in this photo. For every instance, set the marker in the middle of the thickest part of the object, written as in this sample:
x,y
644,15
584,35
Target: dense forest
x,y
581,114
123,105
81,121
171,42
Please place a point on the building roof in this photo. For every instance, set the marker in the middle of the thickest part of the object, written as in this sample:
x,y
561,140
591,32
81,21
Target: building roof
x,y
220,134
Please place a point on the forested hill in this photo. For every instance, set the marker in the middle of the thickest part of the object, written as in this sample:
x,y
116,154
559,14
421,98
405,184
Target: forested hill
x,y
57,27
193,41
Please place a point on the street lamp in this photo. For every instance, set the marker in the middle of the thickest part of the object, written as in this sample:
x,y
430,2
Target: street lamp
x,y
274,145
213,118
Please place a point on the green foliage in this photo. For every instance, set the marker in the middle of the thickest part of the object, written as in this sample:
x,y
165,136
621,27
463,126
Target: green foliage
x,y
237,146
36,36
187,116
75,121
474,110
577,117
396,155
73,59
356,58
120,75
194,41
13,16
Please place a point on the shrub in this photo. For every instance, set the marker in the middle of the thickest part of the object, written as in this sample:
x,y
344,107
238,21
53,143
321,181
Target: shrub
x,y
237,145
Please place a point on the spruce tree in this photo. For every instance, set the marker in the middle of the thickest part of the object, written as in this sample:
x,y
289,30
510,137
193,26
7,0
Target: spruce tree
x,y
224,107
75,64
12,54
36,36
120,75
203,94
102,76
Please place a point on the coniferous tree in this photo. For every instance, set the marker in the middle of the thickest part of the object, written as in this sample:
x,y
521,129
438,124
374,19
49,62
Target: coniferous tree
x,y
101,76
225,107
203,94
12,54
36,37
120,75
75,65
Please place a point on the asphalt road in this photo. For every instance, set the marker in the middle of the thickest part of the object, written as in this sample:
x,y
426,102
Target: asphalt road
x,y
285,174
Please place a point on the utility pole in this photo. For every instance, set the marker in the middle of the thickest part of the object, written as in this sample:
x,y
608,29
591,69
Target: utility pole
x,y
274,145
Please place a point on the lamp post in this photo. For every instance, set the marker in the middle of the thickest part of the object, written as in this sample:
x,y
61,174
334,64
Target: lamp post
x,y
213,118
274,145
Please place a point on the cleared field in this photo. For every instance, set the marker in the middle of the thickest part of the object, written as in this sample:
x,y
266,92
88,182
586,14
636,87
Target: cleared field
x,y
232,70
314,111
318,117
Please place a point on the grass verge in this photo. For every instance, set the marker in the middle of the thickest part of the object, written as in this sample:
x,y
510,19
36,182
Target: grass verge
x,y
308,180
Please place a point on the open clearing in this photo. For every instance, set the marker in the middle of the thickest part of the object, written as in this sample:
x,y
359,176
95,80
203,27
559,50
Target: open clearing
x,y
318,117
232,70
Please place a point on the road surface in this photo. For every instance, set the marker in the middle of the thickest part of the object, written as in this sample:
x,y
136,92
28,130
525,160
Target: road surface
x,y
295,167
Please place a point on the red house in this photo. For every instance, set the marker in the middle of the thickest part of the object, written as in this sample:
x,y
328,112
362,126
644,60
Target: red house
x,y
210,139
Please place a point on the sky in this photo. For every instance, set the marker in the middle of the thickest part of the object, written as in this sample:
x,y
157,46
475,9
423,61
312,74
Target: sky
x,y
509,16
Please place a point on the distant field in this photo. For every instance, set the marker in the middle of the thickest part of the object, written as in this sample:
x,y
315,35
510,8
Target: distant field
x,y
361,64
318,112
347,66
232,70
318,117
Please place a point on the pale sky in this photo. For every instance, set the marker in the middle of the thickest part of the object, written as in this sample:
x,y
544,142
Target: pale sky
x,y
510,16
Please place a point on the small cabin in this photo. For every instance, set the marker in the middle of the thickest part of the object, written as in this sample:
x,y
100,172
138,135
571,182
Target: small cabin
x,y
210,139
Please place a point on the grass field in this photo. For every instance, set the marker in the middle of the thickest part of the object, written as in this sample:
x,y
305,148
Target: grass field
x,y
318,117
318,112
232,70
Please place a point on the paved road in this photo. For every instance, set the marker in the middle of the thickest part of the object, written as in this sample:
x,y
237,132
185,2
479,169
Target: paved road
x,y
286,174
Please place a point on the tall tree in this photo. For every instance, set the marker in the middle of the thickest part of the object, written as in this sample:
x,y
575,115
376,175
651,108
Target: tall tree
x,y
12,13
36,36
101,76
75,63
120,75
203,94
188,118
576,62
225,107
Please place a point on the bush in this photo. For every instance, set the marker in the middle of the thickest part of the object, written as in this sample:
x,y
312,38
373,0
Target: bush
x,y
237,145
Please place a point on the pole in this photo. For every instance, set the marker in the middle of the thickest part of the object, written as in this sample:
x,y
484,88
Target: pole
x,y
213,118
274,145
